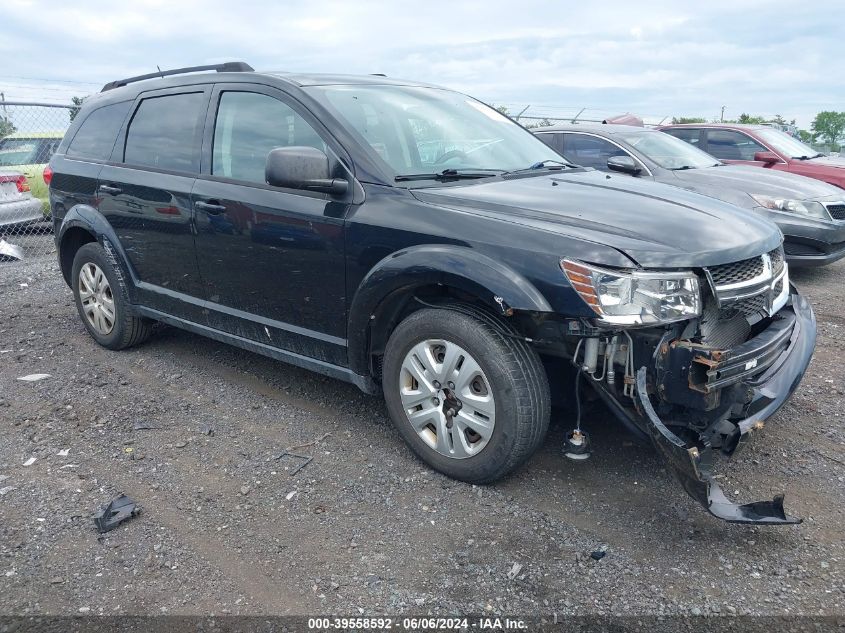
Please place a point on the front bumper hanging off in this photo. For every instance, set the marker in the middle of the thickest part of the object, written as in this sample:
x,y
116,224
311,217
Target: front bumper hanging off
x,y
693,465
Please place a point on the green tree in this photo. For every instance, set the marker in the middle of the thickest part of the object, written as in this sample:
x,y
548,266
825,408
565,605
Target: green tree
x,y
503,110
6,127
806,136
676,120
751,120
829,126
77,104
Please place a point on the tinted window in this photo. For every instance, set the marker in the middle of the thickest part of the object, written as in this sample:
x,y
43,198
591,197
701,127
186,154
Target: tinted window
x,y
248,126
555,141
166,132
96,136
693,137
590,151
730,145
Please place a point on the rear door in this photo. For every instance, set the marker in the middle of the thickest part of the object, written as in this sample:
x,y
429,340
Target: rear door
x,y
273,258
145,194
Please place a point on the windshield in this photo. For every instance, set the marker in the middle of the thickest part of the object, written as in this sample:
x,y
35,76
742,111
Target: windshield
x,y
667,151
786,144
17,151
417,130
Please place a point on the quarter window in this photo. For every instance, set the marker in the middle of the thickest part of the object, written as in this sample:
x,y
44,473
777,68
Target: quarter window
x,y
166,133
248,126
96,136
590,151
731,145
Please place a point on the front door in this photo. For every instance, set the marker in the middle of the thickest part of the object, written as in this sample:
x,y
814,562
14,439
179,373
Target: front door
x,y
273,259
145,195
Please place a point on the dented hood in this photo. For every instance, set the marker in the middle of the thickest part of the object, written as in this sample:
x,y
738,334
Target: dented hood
x,y
655,225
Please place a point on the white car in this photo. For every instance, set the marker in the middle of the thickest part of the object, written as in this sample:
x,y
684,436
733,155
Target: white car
x,y
17,205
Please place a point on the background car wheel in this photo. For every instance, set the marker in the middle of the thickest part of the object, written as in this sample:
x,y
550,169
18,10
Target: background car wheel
x,y
102,300
471,400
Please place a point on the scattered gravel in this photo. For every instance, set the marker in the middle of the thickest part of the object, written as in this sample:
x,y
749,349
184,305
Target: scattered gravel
x,y
191,429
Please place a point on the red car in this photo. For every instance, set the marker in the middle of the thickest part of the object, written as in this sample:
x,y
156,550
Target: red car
x,y
762,146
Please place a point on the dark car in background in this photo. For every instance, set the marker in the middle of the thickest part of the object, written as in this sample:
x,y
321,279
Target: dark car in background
x,y
761,146
419,244
811,214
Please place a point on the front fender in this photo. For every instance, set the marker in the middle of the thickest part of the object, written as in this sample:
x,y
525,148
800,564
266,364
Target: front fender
x,y
492,282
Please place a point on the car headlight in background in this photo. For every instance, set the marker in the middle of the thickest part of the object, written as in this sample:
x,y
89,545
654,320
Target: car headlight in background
x,y
801,207
635,298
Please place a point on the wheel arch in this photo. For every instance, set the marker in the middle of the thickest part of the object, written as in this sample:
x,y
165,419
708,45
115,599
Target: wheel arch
x,y
81,225
406,281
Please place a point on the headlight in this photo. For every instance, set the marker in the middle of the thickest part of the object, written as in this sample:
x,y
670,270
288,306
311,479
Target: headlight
x,y
802,207
635,298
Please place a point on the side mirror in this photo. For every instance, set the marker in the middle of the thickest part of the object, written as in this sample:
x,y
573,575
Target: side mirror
x,y
302,168
770,158
624,164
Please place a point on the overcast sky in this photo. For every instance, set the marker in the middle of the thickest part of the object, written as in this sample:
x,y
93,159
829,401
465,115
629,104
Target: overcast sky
x,y
655,59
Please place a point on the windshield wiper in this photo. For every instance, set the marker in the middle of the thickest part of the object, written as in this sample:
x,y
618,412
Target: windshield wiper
x,y
550,164
819,155
683,168
449,174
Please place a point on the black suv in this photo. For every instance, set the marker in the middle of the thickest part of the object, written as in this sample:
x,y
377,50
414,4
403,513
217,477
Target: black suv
x,y
412,240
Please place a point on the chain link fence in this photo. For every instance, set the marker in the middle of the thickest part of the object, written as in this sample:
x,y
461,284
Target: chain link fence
x,y
29,135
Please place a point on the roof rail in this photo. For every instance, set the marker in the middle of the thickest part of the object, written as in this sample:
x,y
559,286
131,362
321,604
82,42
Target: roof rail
x,y
228,67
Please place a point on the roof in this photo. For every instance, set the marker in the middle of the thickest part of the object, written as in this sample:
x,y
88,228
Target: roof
x,y
598,128
739,126
328,79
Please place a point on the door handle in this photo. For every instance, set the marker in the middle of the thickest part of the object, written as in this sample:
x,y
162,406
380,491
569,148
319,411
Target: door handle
x,y
210,208
111,190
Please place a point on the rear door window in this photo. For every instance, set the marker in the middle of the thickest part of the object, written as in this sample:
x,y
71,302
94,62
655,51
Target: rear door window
x,y
732,145
248,126
590,151
96,136
555,141
166,132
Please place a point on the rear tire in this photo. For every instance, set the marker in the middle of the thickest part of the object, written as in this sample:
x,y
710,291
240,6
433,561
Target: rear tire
x,y
102,300
493,384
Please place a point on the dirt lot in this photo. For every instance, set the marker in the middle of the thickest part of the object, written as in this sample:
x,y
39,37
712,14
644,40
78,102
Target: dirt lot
x,y
365,528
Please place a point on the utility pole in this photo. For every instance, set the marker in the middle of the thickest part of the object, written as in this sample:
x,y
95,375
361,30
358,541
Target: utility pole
x,y
722,117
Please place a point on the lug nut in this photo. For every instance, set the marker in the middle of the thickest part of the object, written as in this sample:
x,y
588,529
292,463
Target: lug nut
x,y
451,385
437,384
436,401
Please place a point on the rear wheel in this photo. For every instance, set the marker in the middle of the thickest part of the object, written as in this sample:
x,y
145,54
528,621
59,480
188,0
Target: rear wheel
x,y
469,398
102,300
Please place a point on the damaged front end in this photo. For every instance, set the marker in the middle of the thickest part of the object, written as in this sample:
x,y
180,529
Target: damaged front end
x,y
699,387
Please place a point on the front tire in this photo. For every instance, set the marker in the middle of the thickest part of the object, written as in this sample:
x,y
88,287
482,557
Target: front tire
x,y
470,398
103,302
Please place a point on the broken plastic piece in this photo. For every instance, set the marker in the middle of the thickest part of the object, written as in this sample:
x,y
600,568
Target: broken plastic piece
x,y
694,469
598,554
117,511
34,377
10,251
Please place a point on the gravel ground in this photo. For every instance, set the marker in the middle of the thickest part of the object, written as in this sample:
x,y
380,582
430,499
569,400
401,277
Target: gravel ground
x,y
364,527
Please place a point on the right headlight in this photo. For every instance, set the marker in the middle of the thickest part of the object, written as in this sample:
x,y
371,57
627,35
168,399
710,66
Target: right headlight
x,y
635,298
801,207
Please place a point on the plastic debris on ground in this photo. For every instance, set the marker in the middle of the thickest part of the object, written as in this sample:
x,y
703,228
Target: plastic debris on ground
x,y
34,377
118,510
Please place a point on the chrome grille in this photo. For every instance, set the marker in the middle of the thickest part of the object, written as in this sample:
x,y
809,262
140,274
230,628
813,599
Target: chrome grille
x,y
753,288
777,261
737,272
837,211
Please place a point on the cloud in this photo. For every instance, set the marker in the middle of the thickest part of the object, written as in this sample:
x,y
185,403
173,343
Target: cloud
x,y
656,58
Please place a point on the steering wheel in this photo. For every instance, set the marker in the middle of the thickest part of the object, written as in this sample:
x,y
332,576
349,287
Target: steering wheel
x,y
455,153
